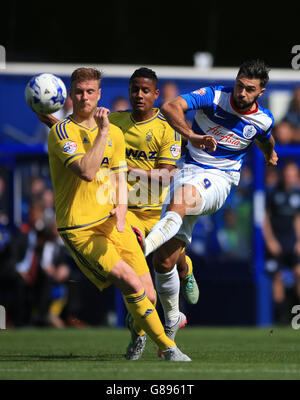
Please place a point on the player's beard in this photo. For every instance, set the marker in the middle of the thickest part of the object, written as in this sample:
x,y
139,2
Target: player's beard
x,y
242,105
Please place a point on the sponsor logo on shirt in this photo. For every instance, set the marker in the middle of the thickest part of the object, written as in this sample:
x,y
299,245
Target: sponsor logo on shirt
x,y
227,138
105,161
249,131
70,147
201,91
140,155
175,150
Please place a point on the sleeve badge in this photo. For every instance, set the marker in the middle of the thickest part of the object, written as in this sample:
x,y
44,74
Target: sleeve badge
x,y
70,147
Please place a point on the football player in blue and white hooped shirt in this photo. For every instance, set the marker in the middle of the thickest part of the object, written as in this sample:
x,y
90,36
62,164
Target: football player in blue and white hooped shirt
x,y
227,122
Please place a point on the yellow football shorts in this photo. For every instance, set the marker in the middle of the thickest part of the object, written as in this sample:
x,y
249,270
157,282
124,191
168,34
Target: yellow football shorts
x,y
144,220
97,249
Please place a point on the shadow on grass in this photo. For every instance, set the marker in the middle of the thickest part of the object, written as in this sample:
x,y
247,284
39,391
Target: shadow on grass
x,y
62,357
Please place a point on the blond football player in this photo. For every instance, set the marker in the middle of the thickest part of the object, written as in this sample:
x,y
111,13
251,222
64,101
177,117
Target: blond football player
x,y
152,150
87,165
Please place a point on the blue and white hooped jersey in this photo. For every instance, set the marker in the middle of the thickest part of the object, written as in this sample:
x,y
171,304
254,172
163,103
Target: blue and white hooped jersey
x,y
234,131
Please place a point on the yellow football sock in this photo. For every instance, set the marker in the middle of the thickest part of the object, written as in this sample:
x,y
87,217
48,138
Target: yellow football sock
x,y
138,330
189,264
145,314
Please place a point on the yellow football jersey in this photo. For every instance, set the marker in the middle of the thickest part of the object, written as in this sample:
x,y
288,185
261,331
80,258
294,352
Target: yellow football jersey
x,y
78,203
148,144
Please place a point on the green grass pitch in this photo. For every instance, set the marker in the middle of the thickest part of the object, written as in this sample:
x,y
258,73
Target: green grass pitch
x,y
98,354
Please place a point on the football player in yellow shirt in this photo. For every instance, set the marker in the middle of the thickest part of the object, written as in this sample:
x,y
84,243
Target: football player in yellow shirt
x,y
152,150
87,165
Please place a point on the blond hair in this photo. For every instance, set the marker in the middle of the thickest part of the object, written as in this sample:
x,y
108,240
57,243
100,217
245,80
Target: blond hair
x,y
84,74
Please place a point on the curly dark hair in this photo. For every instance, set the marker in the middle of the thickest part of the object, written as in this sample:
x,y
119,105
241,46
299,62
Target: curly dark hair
x,y
255,69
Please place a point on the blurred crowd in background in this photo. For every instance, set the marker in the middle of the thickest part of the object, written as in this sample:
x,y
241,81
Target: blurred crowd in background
x,y
40,284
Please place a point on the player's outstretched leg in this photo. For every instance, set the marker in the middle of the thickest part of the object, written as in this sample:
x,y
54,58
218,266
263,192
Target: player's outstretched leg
x,y
141,308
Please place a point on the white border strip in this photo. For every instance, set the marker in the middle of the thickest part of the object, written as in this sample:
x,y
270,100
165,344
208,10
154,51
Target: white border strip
x,y
125,71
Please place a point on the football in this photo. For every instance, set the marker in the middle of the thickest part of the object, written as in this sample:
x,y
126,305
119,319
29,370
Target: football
x,y
45,93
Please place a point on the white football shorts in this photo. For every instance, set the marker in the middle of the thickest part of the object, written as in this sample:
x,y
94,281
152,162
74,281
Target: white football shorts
x,y
212,184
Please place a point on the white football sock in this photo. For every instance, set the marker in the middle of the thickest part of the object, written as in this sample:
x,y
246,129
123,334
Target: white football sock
x,y
164,230
168,287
